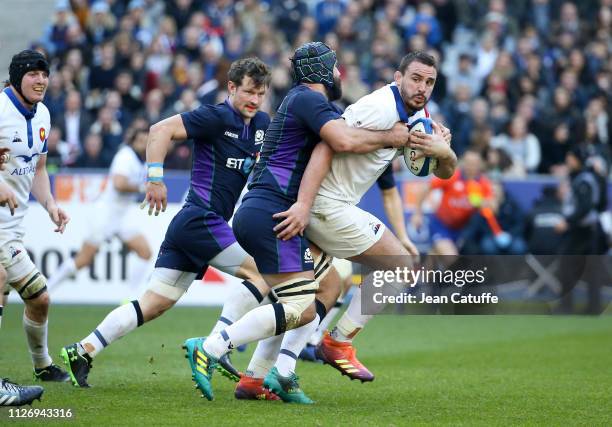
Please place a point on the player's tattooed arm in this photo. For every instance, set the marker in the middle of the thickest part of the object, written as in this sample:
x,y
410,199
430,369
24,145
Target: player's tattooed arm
x,y
346,139
161,136
296,218
41,190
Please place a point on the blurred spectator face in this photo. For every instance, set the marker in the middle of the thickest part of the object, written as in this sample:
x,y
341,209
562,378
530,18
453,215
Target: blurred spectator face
x,y
93,145
155,100
572,162
183,4
463,93
480,111
561,133
73,101
576,60
465,63
113,100
416,84
108,54
188,98
105,117
569,80
471,164
124,82
518,128
74,59
561,98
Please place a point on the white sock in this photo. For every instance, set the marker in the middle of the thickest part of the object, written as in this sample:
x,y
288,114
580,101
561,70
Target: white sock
x,y
255,325
317,335
36,334
243,298
66,269
293,343
264,356
116,324
352,321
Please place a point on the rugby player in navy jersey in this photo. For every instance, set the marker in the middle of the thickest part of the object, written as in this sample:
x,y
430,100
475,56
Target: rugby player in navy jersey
x,y
305,117
226,138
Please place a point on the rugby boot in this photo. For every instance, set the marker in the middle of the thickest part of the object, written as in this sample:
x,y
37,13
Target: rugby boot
x,y
343,357
249,388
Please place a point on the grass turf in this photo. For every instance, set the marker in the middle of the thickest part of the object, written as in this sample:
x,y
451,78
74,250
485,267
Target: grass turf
x,y
450,370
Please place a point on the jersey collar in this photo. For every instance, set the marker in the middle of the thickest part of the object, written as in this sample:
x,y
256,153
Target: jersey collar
x,y
28,114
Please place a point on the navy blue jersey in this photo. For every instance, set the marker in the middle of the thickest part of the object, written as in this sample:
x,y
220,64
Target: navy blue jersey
x,y
223,156
386,180
289,142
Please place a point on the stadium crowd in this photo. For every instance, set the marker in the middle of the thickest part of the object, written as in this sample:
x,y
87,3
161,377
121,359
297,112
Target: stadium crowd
x,y
521,83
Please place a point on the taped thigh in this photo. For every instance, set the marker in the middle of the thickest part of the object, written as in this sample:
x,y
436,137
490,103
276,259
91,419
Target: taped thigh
x,y
323,264
169,283
229,259
295,295
32,285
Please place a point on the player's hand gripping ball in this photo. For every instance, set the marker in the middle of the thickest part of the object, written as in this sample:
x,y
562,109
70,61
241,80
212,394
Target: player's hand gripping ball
x,y
418,164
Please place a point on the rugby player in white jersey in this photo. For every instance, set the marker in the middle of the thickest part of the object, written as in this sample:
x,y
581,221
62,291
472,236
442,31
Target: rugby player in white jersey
x,y
336,224
24,127
126,181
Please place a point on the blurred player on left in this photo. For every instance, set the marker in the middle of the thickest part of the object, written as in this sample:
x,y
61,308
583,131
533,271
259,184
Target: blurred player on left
x,y
126,181
24,126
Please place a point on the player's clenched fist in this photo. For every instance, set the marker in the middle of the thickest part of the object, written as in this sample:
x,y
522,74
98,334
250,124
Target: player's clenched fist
x,y
399,135
156,196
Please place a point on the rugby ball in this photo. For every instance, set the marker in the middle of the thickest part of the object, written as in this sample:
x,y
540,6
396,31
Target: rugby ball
x,y
425,165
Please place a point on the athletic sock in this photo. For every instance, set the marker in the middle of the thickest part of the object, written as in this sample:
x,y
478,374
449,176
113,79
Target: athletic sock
x,y
244,298
36,334
66,269
116,324
352,321
317,335
259,323
264,356
293,343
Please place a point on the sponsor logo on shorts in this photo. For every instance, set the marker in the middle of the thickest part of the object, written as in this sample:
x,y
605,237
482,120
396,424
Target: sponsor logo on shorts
x,y
375,227
308,256
14,252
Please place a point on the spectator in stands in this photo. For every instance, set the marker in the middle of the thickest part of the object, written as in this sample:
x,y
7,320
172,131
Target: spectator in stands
x,y
522,147
542,222
462,195
93,155
74,123
101,24
110,131
479,238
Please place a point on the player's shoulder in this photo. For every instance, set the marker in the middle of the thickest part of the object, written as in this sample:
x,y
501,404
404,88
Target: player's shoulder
x,y
261,119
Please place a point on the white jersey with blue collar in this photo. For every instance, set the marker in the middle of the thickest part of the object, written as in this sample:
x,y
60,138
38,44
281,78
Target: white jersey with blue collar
x,y
25,133
351,175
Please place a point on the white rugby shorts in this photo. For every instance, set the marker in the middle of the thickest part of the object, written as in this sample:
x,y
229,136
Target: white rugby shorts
x,y
342,230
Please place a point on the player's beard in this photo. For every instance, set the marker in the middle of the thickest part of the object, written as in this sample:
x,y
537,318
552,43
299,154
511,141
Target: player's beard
x,y
334,93
410,103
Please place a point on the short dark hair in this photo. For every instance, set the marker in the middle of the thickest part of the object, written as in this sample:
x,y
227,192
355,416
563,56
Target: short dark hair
x,y
417,56
252,67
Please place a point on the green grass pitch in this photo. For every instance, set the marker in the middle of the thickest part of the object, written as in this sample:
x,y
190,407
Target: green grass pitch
x,y
430,370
